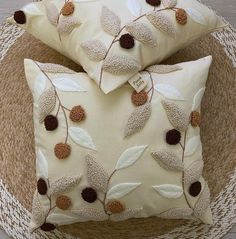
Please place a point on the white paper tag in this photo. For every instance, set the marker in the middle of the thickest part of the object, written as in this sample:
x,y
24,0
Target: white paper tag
x,y
138,83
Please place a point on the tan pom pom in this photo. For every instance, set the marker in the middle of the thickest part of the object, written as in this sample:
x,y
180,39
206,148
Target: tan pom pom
x,y
140,98
115,207
195,119
68,9
181,16
63,202
62,151
77,114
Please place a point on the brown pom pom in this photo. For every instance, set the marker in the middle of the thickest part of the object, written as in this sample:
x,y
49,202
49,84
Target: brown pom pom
x,y
42,187
62,151
89,195
47,227
115,207
77,114
195,189
20,17
154,2
140,98
63,202
50,123
195,118
181,16
127,41
173,137
68,9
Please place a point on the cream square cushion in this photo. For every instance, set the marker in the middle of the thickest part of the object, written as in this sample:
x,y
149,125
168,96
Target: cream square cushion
x,y
122,155
114,39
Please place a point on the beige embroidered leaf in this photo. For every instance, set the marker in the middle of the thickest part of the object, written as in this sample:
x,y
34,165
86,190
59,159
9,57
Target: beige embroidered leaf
x,y
128,213
63,184
120,64
91,214
193,173
192,145
196,16
169,91
203,202
96,175
169,3
110,21
168,160
134,7
55,68
176,115
138,119
52,13
177,213
42,165
142,33
46,103
95,50
162,22
164,69
169,190
67,24
197,99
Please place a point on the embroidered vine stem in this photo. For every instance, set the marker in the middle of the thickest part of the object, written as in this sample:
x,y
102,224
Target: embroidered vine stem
x,y
152,88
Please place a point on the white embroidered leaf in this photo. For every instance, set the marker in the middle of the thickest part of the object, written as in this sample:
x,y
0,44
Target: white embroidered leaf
x,y
168,160
61,219
91,214
162,22
128,213
134,7
192,145
120,190
197,99
81,137
67,84
176,115
52,13
142,33
54,68
196,16
120,64
110,22
169,190
138,119
96,175
169,3
193,173
40,85
95,50
177,213
42,165
66,24
163,69
169,91
130,156
32,9
46,103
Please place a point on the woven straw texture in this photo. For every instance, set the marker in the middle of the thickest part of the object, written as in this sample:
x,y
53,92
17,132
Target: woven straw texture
x,y
17,157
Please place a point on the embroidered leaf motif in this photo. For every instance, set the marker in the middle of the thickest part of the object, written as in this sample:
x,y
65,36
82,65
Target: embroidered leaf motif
x,y
91,214
52,13
128,213
120,64
192,145
138,119
62,219
47,102
197,99
40,85
193,173
176,115
81,137
110,22
162,22
54,68
169,91
32,9
203,202
95,50
67,84
63,184
177,213
120,190
142,33
130,156
42,165
67,24
134,7
97,176
168,160
196,16
169,3
163,69
169,190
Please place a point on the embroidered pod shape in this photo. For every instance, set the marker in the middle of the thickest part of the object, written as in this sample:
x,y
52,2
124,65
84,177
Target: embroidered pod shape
x,y
140,98
192,145
181,16
47,227
195,189
68,9
162,22
138,119
94,49
46,103
196,16
42,165
91,214
169,91
142,33
169,190
120,64
163,69
115,206
67,24
42,186
197,99
154,3
52,13
168,160
62,150
177,213
96,175
203,202
63,185
62,219
51,123
20,17
193,173
169,3
128,213
63,202
110,22
78,114
54,68
127,41
89,195
176,115
134,7
195,118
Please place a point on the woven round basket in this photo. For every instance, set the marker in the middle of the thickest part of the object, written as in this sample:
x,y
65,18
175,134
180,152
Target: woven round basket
x,y
17,156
